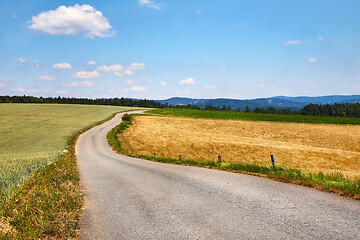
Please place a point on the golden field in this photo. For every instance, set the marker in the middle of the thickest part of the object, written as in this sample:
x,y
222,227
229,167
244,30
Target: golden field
x,y
310,147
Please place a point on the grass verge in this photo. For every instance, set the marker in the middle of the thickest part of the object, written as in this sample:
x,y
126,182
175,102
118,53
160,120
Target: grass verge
x,y
254,116
335,183
48,205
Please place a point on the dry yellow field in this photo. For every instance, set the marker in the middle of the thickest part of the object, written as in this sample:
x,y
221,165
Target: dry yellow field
x,y
310,147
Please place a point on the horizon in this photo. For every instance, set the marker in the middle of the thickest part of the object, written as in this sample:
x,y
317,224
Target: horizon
x,y
162,49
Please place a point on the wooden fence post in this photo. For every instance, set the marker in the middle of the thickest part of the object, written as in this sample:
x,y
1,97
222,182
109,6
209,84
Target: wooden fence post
x,y
272,159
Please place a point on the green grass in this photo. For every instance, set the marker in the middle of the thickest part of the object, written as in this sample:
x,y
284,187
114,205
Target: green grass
x,y
48,204
34,135
254,116
336,183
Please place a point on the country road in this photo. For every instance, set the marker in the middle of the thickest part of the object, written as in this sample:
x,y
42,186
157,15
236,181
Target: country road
x,y
129,198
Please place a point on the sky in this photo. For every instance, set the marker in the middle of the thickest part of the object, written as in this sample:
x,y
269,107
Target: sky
x,y
157,49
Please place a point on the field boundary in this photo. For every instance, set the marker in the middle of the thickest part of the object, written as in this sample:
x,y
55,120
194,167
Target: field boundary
x,y
335,183
251,116
48,204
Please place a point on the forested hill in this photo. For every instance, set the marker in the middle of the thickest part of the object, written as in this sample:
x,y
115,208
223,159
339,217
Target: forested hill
x,y
337,109
279,102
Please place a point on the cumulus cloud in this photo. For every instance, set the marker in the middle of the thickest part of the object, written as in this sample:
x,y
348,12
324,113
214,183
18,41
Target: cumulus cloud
x,y
312,60
79,84
136,66
209,87
18,89
20,60
37,64
162,83
111,68
150,4
120,71
39,91
130,82
187,81
63,65
73,20
138,89
47,78
86,75
128,72
119,74
322,39
292,42
91,62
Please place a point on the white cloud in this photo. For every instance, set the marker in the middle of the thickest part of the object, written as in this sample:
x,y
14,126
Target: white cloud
x,y
312,60
86,75
128,72
20,60
19,89
111,68
130,82
322,39
138,89
119,74
356,86
187,81
292,42
223,71
63,65
150,4
39,91
1,85
162,83
136,66
37,64
47,78
79,84
209,87
91,62
62,92
73,20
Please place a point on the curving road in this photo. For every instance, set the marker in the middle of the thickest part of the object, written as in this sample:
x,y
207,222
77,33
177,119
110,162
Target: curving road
x,y
129,198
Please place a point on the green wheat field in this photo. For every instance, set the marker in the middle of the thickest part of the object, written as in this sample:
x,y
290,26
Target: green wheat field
x,y
33,135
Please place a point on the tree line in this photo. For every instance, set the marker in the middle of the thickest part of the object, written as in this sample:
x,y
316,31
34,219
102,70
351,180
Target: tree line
x,y
336,110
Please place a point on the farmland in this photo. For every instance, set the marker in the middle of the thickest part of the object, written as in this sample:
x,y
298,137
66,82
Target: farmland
x,y
255,116
310,147
34,135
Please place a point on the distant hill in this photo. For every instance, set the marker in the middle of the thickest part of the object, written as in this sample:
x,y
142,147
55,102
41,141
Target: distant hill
x,y
278,102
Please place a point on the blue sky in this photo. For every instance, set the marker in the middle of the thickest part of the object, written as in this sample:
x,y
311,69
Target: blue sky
x,y
158,49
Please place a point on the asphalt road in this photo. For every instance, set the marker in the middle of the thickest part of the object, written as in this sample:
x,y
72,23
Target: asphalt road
x,y
129,198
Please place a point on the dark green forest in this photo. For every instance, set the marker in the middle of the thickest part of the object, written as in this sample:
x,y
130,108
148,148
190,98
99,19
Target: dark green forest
x,y
335,110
